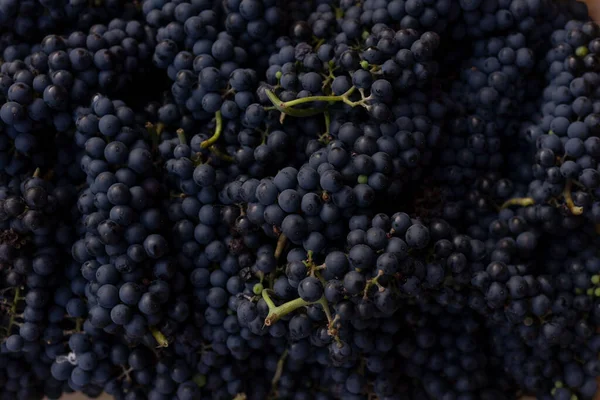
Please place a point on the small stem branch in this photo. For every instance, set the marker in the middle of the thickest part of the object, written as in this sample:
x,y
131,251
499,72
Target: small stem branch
x,y
159,337
279,370
181,136
153,131
371,282
521,201
332,329
218,129
575,210
271,279
281,311
325,138
220,155
268,300
281,242
309,261
125,374
320,267
325,305
17,296
13,310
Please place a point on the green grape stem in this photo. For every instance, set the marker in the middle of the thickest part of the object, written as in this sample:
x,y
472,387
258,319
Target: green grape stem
x,y
159,337
218,129
281,242
575,210
181,136
13,310
287,106
373,282
278,371
154,134
345,98
277,312
220,155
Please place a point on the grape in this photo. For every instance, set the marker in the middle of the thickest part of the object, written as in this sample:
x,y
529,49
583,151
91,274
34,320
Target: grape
x,y
310,289
155,246
417,236
354,282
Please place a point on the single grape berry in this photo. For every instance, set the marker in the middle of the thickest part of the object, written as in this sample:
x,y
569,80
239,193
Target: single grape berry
x,y
310,289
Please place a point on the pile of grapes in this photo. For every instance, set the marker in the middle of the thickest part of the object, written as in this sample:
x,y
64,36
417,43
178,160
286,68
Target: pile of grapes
x,y
299,199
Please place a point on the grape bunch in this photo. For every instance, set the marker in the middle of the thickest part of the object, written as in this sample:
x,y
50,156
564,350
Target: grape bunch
x,y
30,20
324,199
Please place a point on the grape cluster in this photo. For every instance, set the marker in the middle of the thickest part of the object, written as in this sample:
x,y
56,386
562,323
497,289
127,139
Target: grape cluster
x,y
564,132
32,19
497,89
122,223
201,52
325,199
388,63
35,239
60,74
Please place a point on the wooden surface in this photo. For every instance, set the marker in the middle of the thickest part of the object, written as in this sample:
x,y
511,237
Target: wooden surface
x,y
594,7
